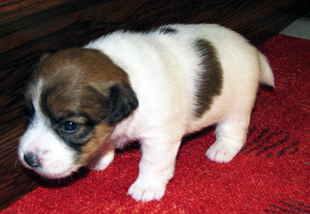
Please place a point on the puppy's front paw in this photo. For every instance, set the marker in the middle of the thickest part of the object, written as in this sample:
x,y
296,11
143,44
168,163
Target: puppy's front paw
x,y
102,162
100,165
223,151
143,190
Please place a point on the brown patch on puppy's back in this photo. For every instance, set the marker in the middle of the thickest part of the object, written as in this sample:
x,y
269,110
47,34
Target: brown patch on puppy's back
x,y
210,80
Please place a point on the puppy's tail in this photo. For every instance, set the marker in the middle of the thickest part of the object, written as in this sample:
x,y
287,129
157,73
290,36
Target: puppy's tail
x,y
266,75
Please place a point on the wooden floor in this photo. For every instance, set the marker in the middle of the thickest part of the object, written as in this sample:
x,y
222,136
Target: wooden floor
x,y
30,28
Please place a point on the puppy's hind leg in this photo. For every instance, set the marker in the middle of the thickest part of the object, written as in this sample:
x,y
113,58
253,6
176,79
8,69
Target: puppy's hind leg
x,y
231,130
230,137
155,170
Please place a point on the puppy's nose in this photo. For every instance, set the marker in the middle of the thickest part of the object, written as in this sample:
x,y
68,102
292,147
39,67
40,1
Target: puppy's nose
x,y
32,160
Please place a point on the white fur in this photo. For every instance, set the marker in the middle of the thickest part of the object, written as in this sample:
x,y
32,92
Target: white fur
x,y
163,71
41,140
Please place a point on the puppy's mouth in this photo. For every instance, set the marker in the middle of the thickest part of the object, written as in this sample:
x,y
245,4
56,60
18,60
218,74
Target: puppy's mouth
x,y
59,175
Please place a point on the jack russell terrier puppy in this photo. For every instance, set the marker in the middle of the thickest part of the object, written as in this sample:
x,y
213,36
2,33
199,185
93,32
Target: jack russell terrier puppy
x,y
153,87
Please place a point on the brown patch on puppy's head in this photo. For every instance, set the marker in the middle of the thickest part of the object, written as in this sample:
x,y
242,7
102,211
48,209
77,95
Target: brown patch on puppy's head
x,y
84,95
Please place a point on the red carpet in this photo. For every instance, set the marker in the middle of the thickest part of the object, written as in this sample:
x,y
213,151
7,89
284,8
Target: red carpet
x,y
270,175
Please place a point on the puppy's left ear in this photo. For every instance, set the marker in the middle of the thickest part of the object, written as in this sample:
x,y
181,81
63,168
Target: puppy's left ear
x,y
124,102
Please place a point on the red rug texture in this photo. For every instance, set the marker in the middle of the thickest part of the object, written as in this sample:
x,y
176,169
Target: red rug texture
x,y
270,175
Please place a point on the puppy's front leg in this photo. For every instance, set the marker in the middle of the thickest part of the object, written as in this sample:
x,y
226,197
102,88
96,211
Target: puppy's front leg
x,y
156,169
103,159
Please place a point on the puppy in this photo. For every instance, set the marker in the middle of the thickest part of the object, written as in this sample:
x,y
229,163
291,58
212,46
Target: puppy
x,y
154,87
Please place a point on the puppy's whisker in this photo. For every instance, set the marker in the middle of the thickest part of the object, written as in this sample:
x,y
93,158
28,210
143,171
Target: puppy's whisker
x,y
10,147
17,164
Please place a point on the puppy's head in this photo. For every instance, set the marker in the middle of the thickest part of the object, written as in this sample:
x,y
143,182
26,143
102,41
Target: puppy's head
x,y
73,101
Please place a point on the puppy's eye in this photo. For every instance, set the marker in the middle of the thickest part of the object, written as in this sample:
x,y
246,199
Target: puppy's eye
x,y
69,126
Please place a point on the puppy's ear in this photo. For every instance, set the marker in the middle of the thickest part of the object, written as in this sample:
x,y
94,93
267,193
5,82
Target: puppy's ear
x,y
124,102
